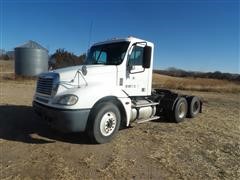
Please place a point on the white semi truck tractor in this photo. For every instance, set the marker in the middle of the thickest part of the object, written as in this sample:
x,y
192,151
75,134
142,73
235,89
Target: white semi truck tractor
x,y
111,90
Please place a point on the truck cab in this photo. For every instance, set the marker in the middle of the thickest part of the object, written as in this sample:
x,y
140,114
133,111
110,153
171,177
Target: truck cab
x,y
112,88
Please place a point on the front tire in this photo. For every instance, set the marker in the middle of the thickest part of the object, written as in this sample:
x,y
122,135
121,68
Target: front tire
x,y
104,122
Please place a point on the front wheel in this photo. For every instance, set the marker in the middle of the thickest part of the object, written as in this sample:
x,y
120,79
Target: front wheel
x,y
104,122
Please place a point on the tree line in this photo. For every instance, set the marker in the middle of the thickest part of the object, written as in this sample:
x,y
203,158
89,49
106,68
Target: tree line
x,y
213,75
62,58
5,57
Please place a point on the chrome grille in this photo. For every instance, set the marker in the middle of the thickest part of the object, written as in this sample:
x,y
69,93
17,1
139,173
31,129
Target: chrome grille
x,y
45,85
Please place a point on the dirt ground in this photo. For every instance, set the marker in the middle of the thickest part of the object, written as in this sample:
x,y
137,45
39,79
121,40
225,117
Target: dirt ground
x,y
207,147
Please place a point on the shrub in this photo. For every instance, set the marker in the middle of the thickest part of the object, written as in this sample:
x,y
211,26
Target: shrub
x,y
63,58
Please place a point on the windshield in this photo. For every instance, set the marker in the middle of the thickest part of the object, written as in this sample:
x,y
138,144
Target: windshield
x,y
108,54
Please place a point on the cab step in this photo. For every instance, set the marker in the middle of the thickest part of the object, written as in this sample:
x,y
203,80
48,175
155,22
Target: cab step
x,y
138,105
146,120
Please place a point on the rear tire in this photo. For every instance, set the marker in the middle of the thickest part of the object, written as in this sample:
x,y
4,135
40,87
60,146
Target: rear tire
x,y
194,106
180,110
104,122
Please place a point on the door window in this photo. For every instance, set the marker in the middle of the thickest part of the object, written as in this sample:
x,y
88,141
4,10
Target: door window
x,y
136,57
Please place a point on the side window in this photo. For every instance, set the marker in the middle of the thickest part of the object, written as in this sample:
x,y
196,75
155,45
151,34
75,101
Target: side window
x,y
136,57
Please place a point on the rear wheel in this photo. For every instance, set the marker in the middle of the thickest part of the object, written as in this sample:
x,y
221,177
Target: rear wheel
x,y
104,122
194,106
180,110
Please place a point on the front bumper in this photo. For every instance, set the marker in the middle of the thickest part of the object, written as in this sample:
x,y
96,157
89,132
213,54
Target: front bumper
x,y
62,119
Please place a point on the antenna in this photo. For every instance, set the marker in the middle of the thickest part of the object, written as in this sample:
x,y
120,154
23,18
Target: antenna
x,y
48,48
90,33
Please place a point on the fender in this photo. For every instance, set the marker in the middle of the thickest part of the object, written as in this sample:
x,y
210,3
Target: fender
x,y
124,105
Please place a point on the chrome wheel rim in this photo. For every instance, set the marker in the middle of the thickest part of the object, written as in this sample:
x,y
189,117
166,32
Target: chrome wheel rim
x,y
108,123
181,110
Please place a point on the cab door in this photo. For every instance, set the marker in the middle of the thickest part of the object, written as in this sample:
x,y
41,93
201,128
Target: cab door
x,y
137,77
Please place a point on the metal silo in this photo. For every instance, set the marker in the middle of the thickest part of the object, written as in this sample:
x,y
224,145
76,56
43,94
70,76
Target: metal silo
x,y
31,59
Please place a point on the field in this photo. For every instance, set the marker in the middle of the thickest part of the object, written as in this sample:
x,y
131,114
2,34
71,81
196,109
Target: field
x,y
207,147
195,84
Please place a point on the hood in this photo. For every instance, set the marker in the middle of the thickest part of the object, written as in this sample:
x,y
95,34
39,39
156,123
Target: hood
x,y
95,74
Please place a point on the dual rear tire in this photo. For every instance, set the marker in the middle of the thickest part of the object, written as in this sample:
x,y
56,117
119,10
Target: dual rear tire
x,y
180,110
186,107
194,106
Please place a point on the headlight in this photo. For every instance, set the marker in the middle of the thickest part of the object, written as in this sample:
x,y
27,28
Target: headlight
x,y
68,100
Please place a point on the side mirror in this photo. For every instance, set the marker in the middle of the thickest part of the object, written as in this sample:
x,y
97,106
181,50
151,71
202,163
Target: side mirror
x,y
147,54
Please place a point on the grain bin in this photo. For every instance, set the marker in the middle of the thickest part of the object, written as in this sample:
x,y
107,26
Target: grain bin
x,y
31,59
